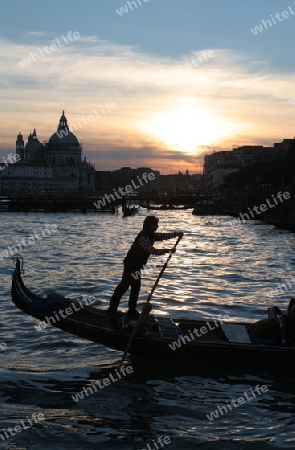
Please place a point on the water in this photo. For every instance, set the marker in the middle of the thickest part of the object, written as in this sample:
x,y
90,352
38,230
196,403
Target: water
x,y
217,269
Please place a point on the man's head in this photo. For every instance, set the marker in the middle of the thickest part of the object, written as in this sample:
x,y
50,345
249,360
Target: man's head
x,y
150,223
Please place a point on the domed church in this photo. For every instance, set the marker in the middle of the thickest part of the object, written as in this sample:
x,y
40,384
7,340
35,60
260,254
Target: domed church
x,y
63,148
53,166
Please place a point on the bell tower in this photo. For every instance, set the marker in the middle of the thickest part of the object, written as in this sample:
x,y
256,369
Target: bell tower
x,y
20,146
63,123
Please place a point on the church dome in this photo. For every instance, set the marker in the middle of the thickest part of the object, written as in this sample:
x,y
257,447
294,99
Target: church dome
x,y
63,135
63,148
34,149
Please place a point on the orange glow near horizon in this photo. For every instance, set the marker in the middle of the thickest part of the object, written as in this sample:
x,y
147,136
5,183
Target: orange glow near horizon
x,y
187,130
168,127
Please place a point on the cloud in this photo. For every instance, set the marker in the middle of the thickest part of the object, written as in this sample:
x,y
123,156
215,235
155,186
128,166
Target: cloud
x,y
81,77
145,156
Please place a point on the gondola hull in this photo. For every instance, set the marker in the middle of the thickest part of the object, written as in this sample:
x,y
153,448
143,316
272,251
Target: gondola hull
x,y
127,212
160,337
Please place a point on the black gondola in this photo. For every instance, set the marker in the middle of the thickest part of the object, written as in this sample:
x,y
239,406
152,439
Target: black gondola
x,y
160,337
129,211
165,207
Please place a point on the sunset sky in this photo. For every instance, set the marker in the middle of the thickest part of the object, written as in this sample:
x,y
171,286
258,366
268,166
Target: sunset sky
x,y
187,77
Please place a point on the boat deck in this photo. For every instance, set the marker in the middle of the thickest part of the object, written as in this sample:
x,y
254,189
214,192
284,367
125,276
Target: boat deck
x,y
165,328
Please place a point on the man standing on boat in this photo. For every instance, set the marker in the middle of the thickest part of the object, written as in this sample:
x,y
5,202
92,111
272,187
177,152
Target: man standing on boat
x,y
134,261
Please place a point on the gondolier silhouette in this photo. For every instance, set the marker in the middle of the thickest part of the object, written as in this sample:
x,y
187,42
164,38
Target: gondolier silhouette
x,y
134,261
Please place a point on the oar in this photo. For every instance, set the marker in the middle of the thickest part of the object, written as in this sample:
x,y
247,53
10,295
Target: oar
x,y
147,307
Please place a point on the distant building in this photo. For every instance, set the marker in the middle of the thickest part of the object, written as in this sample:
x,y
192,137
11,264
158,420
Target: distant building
x,y
103,181
180,184
54,166
125,175
220,164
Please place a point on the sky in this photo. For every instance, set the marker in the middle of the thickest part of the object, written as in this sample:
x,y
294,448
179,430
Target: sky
x,y
148,83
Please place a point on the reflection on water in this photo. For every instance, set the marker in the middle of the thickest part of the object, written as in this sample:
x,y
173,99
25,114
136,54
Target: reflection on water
x,y
217,269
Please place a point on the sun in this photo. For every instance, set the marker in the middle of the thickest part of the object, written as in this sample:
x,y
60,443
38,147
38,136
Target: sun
x,y
187,130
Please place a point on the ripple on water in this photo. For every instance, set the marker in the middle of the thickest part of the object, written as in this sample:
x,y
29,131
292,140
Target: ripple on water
x,y
217,269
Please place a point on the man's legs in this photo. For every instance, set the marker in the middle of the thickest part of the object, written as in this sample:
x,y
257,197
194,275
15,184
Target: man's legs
x,y
120,290
134,292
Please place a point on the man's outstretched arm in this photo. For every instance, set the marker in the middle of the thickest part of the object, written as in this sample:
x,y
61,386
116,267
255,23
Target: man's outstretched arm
x,y
145,243
164,236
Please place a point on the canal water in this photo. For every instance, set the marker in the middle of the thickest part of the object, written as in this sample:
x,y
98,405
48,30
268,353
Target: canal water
x,y
217,269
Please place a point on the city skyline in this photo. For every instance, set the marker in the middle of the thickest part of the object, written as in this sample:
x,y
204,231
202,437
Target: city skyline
x,y
184,79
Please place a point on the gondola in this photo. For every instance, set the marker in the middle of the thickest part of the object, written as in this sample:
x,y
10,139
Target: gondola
x,y
162,338
165,207
206,207
129,211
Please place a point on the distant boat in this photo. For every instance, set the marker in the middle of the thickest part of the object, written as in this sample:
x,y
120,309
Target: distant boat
x,y
127,211
165,207
4,204
206,206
